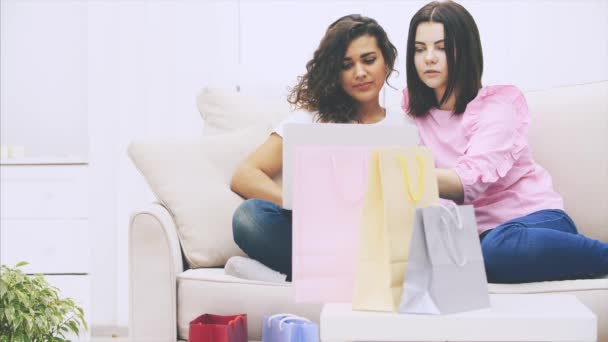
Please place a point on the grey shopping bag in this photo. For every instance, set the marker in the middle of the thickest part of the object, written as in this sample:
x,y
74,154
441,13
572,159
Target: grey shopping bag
x,y
445,270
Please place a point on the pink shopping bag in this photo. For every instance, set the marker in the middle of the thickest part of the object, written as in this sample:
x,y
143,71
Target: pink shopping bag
x,y
329,184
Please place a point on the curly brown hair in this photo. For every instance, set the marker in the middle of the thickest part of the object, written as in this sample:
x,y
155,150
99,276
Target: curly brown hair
x,y
319,89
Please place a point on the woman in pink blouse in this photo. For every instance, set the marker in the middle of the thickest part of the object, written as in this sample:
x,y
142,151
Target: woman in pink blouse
x,y
478,136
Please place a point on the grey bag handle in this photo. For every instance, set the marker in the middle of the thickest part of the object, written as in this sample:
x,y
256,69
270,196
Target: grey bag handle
x,y
456,255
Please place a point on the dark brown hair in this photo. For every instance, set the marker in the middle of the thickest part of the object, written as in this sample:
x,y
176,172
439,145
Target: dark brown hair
x,y
319,89
464,57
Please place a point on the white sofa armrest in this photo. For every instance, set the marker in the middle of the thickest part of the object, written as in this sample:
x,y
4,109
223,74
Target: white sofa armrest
x,y
155,260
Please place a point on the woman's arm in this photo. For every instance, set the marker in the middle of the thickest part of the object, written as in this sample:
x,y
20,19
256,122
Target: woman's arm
x,y
449,184
253,176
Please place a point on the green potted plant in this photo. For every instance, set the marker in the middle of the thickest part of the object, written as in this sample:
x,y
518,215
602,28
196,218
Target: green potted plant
x,y
31,309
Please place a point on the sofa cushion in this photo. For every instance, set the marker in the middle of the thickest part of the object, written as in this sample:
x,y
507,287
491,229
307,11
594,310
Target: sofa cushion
x,y
191,178
226,110
553,286
235,295
569,137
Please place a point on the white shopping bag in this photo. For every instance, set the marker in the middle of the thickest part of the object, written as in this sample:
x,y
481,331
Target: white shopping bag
x,y
445,269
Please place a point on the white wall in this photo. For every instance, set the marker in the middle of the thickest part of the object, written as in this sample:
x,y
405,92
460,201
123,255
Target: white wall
x,y
532,44
145,62
43,84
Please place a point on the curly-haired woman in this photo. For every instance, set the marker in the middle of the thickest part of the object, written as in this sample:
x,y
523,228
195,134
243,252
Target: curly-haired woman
x,y
341,85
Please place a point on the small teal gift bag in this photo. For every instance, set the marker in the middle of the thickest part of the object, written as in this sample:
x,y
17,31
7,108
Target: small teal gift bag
x,y
289,328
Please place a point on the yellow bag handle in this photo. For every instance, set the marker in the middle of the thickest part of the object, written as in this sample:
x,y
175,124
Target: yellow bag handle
x,y
413,197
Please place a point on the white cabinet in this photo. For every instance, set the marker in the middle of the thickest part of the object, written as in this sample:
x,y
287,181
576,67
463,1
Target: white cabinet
x,y
44,220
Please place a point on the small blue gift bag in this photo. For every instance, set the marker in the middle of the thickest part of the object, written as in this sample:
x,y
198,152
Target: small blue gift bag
x,y
289,328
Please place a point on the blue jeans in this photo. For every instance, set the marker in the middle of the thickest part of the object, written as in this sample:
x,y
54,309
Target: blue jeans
x,y
542,246
262,229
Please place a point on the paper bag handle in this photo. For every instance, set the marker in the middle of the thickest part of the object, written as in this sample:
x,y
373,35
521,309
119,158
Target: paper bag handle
x,y
292,318
413,197
334,170
270,318
452,249
232,323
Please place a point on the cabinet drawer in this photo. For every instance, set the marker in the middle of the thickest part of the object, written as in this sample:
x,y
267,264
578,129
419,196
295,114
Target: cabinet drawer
x,y
44,191
77,287
49,246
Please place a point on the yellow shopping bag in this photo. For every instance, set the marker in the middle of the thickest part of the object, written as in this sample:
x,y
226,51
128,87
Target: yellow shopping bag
x,y
401,179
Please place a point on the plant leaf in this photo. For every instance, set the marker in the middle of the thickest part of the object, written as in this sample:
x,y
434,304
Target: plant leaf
x,y
31,309
73,326
22,263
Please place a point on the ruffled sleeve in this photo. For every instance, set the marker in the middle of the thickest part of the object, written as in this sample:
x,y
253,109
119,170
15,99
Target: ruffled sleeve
x,y
496,125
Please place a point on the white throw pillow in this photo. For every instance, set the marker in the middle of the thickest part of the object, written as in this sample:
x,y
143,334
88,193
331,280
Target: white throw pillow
x,y
192,179
226,110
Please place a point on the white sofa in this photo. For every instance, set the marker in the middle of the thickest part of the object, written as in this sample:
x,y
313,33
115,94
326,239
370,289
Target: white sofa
x,y
190,225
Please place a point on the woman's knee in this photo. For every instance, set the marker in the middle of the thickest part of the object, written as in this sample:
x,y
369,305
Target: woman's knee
x,y
492,254
497,249
244,223
508,254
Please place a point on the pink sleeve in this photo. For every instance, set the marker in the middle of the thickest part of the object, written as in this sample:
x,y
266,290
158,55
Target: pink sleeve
x,y
497,128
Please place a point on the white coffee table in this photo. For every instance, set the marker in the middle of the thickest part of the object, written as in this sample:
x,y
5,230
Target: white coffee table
x,y
512,317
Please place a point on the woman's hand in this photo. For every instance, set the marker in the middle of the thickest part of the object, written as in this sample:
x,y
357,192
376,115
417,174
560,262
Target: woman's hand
x,y
253,177
449,184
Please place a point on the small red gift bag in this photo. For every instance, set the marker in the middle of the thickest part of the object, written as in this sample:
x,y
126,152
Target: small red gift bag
x,y
216,328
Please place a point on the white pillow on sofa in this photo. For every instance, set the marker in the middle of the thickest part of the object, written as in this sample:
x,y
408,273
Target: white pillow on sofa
x,y
226,110
192,179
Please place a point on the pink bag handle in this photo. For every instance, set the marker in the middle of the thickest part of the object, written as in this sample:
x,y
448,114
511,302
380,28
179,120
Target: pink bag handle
x,y
334,170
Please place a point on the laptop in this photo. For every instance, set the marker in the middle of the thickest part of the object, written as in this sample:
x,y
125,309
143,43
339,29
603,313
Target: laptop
x,y
339,135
